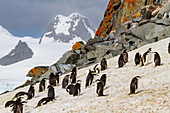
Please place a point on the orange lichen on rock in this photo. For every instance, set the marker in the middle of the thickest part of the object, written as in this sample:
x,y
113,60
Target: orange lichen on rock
x,y
37,71
78,45
137,15
123,13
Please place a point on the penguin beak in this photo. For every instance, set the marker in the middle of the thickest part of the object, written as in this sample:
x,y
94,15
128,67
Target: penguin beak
x,y
138,77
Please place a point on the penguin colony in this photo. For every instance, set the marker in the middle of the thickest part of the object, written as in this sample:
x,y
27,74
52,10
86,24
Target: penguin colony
x,y
73,86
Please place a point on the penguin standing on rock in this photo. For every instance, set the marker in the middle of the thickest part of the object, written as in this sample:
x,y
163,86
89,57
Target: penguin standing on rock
x,y
134,85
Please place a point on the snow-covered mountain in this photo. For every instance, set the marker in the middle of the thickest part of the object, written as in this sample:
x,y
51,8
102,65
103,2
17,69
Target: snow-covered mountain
x,y
45,54
65,29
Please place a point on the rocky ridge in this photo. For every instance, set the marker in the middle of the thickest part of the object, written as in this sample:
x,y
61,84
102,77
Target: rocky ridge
x,y
21,52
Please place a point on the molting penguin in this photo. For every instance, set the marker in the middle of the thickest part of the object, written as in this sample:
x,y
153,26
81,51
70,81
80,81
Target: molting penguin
x,y
65,81
103,79
52,79
51,92
103,64
157,59
31,92
120,61
100,88
42,85
134,85
125,56
137,58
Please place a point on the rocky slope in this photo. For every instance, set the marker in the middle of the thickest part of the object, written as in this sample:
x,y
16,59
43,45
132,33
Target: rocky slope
x,y
129,35
119,12
65,29
21,52
153,94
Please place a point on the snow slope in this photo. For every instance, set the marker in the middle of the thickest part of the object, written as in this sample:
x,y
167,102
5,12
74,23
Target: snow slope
x,y
46,53
153,89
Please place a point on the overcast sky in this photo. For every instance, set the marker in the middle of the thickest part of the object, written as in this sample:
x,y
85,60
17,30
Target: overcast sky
x,y
31,17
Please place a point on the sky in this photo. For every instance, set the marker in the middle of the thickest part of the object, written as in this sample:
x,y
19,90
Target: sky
x,y
31,17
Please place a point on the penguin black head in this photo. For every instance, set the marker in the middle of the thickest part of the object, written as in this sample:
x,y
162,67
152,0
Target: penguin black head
x,y
78,81
32,86
18,99
124,51
43,79
137,77
104,76
150,49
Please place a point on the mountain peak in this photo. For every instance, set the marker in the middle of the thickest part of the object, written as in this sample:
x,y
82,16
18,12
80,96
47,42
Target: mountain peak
x,y
66,29
76,15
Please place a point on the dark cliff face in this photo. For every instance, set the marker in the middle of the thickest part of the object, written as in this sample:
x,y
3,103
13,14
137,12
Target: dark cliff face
x,y
118,12
21,52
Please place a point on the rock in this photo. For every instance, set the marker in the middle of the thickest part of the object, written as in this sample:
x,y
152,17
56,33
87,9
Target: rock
x,y
66,67
69,57
165,22
118,12
78,45
37,71
143,30
165,8
21,52
92,55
